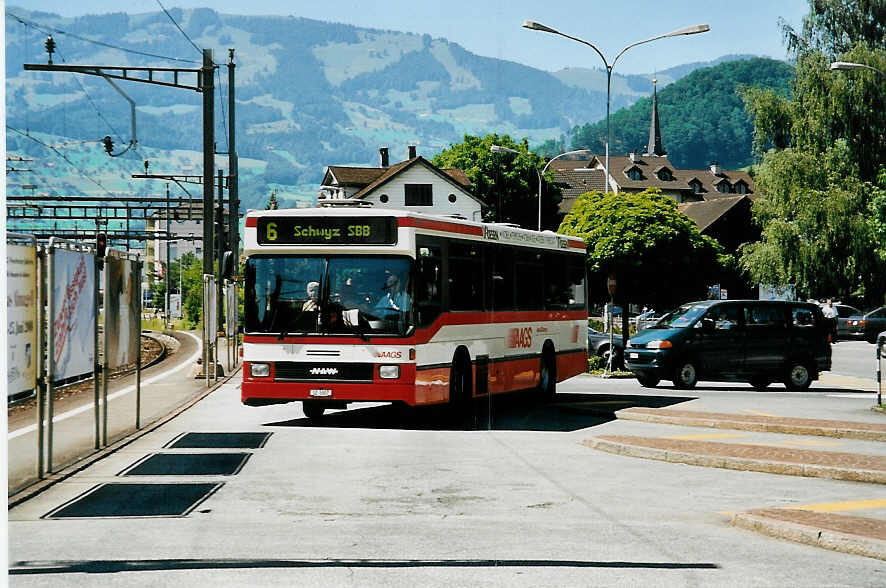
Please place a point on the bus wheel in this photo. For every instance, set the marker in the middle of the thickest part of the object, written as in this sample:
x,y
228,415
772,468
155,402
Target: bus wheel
x,y
312,410
547,378
460,389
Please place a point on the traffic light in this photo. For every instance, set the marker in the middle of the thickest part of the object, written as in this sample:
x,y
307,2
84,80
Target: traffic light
x,y
50,47
108,143
101,244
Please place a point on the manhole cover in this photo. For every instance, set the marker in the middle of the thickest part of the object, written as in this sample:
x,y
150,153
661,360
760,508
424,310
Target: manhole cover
x,y
188,464
219,441
135,500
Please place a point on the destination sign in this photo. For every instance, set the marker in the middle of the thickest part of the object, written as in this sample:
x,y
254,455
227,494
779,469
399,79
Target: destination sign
x,y
325,230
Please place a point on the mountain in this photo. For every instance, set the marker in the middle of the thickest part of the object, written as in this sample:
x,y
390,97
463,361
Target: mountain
x,y
309,94
702,116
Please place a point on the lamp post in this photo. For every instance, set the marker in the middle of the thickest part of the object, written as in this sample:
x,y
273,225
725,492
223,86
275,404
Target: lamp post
x,y
850,65
691,30
500,149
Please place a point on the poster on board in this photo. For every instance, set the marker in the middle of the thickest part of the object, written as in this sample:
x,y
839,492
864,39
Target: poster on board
x,y
121,312
175,305
21,319
72,315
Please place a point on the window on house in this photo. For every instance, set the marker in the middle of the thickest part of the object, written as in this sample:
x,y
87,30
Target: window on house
x,y
723,187
635,174
665,175
383,198
696,187
741,188
419,195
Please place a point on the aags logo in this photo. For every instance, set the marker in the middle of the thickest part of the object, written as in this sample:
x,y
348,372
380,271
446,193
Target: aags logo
x,y
520,337
389,354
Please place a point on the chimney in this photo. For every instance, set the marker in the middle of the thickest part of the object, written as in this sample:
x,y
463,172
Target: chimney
x,y
410,153
383,156
634,157
716,169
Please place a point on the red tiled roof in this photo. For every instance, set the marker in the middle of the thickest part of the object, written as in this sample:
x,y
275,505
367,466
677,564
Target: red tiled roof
x,y
707,212
355,176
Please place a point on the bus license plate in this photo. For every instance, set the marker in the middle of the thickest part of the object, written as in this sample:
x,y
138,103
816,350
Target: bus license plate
x,y
321,392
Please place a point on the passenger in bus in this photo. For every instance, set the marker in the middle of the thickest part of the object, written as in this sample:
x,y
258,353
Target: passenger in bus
x,y
313,291
394,299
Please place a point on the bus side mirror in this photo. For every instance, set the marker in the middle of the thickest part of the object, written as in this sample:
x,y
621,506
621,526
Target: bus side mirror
x,y
227,265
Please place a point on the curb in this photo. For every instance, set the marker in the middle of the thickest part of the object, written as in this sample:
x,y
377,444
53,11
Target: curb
x,y
736,463
817,536
849,432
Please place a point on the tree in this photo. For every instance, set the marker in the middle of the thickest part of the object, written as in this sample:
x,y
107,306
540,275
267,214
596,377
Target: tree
x,y
657,254
820,182
835,26
506,183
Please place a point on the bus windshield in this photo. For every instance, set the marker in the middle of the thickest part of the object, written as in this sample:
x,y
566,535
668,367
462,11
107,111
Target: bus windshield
x,y
328,295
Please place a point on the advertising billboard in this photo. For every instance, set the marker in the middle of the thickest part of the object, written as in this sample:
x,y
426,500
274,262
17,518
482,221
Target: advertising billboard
x,y
72,314
231,314
121,312
21,319
175,305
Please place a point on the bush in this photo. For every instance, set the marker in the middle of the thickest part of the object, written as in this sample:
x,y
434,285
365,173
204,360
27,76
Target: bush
x,y
595,362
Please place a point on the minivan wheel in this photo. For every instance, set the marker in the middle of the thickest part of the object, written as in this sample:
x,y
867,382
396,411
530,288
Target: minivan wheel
x,y
760,382
648,381
798,376
685,376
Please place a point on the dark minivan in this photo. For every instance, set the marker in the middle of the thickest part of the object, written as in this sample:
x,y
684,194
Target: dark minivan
x,y
756,341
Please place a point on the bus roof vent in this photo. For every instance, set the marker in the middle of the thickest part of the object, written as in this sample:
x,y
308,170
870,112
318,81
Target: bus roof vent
x,y
458,216
512,225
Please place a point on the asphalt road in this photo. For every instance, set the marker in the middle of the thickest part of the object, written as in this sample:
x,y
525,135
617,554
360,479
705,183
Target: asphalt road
x,y
376,496
855,358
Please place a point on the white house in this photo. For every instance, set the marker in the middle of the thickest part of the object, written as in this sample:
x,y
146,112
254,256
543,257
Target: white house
x,y
414,184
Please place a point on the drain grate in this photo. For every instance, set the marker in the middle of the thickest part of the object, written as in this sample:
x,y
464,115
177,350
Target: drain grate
x,y
219,441
117,500
188,464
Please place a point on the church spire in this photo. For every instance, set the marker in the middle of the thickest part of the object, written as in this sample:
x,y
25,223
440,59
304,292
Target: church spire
x,y
655,146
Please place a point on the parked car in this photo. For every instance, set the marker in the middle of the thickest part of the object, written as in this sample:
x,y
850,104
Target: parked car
x,y
755,341
844,312
866,326
598,344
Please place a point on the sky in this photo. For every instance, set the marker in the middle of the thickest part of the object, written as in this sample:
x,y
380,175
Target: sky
x,y
493,28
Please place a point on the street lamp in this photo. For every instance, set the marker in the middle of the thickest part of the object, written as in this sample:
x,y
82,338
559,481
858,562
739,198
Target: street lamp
x,y
500,149
691,30
850,65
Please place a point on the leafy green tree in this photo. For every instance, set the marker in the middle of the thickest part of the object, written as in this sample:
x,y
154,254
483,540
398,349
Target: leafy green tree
x,y
835,26
506,182
657,254
823,151
192,287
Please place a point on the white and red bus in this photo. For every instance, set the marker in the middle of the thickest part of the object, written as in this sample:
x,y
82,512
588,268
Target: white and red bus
x,y
377,305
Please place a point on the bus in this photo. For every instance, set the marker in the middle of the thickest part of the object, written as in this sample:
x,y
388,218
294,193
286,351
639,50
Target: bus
x,y
347,304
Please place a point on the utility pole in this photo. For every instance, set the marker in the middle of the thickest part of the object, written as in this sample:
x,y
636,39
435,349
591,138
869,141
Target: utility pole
x,y
233,173
220,251
166,273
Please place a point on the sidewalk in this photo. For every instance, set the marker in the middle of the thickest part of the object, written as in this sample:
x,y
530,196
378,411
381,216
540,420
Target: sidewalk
x,y
851,534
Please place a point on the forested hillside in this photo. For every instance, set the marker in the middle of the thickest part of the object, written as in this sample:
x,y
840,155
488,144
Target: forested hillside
x,y
702,116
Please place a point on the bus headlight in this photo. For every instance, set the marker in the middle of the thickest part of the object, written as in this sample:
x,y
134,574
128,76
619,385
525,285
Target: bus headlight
x,y
389,372
260,370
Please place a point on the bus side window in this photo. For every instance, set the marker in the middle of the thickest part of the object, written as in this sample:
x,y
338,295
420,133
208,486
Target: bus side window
x,y
428,284
465,275
499,278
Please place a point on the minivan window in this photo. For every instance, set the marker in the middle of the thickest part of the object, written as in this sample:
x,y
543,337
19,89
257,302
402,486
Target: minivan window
x,y
764,315
725,317
802,317
683,316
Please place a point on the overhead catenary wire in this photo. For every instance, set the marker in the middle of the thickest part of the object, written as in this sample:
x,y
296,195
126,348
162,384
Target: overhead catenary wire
x,y
48,29
179,28
63,156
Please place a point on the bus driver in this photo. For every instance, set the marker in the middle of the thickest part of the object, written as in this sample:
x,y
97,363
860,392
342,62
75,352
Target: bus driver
x,y
394,299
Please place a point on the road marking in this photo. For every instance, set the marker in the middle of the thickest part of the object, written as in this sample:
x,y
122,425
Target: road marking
x,y
811,443
115,395
706,436
758,413
859,396
841,506
830,506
